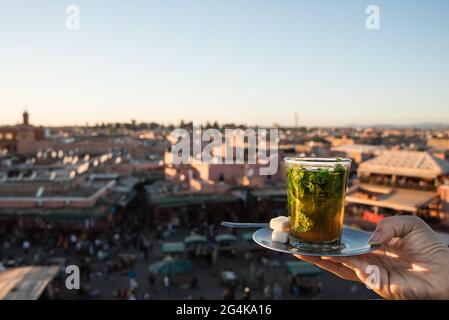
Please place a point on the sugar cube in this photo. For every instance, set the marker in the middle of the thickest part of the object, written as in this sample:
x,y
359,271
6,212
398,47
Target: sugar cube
x,y
280,223
279,236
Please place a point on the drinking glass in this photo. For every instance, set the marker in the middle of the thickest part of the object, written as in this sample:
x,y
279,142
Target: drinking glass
x,y
316,191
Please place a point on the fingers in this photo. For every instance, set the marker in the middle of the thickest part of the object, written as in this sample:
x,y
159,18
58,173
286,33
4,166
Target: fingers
x,y
395,227
353,263
311,259
333,267
357,264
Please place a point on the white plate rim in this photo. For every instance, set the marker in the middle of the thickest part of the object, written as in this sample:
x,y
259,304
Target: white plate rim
x,y
339,253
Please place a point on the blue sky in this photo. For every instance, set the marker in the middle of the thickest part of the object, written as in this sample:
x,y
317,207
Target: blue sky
x,y
247,61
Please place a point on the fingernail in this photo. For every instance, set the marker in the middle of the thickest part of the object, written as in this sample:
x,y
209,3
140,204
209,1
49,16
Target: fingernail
x,y
375,238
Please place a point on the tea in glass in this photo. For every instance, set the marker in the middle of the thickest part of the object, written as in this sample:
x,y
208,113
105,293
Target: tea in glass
x,y
316,191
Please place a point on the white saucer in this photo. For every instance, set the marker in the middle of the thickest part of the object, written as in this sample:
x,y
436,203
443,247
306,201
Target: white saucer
x,y
353,242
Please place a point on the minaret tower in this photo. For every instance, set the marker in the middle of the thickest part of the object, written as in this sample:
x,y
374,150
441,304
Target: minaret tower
x,y
26,118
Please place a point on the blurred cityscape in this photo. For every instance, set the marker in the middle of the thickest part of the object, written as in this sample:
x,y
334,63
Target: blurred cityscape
x,y
109,199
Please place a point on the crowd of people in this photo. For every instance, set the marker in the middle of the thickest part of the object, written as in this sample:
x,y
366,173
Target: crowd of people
x,y
116,251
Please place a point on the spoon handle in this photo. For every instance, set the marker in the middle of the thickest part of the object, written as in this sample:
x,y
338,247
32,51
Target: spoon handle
x,y
241,225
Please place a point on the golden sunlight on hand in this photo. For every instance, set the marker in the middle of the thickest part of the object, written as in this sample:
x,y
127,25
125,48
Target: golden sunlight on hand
x,y
413,262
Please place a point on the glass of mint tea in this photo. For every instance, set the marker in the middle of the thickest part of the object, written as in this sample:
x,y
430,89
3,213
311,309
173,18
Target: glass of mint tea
x,y
316,191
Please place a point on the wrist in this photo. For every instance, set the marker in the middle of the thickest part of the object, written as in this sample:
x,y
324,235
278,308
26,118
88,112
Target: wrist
x,y
443,292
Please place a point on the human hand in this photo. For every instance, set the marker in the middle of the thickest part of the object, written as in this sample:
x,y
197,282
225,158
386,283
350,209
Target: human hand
x,y
413,262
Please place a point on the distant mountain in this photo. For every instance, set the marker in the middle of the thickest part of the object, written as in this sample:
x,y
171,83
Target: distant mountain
x,y
430,125
422,125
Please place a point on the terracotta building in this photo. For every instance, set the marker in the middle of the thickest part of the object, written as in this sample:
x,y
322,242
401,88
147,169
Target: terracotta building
x,y
22,138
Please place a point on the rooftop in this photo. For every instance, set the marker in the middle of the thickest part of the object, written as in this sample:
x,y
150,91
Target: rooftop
x,y
406,163
25,283
358,148
396,199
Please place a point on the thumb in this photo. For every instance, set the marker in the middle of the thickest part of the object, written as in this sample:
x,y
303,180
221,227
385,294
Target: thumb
x,y
395,227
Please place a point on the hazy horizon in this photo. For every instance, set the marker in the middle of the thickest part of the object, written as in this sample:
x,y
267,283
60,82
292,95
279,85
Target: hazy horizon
x,y
244,62
417,125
